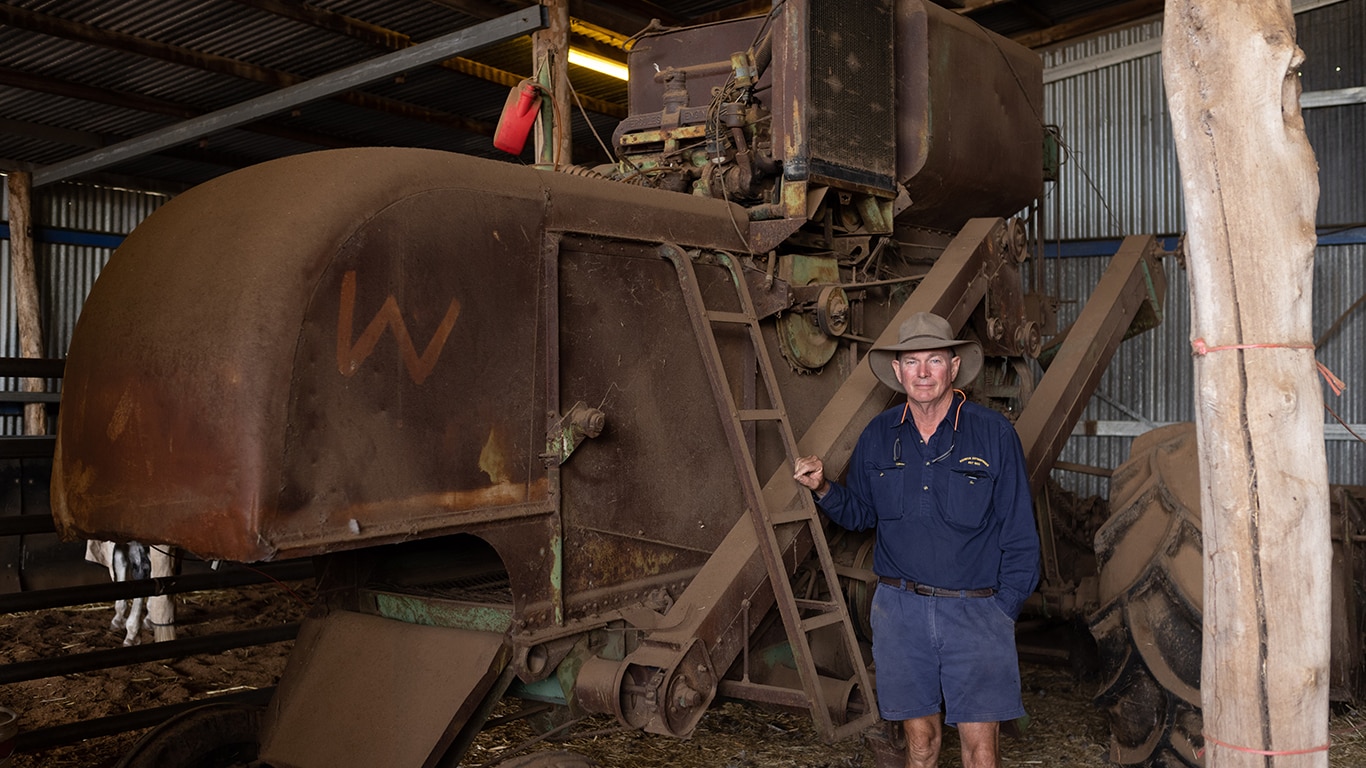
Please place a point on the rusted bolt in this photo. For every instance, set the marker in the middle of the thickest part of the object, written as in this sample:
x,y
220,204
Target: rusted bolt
x,y
685,696
590,421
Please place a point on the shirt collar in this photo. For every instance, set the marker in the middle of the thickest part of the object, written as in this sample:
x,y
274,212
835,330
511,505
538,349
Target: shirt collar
x,y
959,396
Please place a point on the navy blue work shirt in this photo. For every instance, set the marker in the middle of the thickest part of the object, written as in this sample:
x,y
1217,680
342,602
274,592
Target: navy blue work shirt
x,y
955,513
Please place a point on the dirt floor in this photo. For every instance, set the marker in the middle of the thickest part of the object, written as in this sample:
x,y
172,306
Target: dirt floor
x,y
1065,730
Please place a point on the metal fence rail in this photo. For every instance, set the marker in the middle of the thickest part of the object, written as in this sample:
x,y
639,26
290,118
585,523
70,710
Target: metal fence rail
x,y
141,654
237,576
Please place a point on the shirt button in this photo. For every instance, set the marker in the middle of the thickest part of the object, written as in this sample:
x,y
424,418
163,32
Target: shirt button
x,y
926,488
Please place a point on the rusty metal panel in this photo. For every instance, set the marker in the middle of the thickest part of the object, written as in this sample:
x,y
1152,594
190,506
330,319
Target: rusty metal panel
x,y
656,491
364,691
416,388
179,385
969,118
331,351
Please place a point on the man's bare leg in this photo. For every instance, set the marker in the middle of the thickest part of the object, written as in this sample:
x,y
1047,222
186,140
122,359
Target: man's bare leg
x,y
981,744
923,735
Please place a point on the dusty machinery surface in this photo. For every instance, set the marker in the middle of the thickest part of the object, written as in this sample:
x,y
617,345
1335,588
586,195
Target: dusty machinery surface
x,y
536,428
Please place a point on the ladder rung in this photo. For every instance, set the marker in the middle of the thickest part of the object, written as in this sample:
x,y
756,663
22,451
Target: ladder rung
x,y
824,606
794,698
854,726
821,620
795,515
739,318
761,414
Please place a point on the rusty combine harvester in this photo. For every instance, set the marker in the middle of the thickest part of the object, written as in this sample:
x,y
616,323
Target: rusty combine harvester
x,y
536,428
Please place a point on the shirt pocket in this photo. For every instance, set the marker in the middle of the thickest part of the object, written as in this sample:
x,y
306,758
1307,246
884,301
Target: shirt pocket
x,y
887,486
967,499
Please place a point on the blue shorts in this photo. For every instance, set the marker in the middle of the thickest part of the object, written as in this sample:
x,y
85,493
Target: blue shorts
x,y
958,651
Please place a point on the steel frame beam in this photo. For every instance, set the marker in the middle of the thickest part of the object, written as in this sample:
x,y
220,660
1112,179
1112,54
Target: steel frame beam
x,y
381,37
382,67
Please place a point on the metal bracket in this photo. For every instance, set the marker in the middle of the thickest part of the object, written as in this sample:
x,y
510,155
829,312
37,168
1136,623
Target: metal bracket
x,y
570,431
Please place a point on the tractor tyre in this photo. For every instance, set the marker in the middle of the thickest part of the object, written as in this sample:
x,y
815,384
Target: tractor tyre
x,y
211,736
1148,627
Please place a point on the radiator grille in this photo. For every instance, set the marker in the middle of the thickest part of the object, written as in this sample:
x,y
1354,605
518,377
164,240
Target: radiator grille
x,y
852,104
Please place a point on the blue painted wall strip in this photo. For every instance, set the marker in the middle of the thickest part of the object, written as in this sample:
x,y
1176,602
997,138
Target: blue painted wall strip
x,y
1347,236
70,237
1080,248
1071,249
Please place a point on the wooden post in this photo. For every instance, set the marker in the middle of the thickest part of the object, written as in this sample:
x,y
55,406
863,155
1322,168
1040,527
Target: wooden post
x,y
1251,190
25,278
553,45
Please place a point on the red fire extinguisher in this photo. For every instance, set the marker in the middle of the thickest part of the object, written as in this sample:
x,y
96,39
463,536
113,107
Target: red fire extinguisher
x,y
519,112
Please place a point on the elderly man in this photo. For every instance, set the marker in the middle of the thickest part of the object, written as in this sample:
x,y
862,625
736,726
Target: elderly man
x,y
944,482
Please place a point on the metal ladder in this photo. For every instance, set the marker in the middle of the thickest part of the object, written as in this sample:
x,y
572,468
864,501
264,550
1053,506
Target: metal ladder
x,y
801,616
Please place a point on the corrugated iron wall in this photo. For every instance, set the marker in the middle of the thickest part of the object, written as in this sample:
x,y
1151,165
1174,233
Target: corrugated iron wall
x,y
1120,176
1119,173
65,272
1337,59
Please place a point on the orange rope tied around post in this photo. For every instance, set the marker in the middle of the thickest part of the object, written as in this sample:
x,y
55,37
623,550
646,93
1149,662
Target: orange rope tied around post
x,y
1199,348
1265,752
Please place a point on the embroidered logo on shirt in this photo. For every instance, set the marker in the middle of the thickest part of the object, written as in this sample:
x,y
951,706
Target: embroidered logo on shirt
x,y
974,461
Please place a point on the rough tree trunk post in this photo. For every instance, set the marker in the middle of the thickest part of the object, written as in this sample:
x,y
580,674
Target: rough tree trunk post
x,y
1251,190
554,43
25,277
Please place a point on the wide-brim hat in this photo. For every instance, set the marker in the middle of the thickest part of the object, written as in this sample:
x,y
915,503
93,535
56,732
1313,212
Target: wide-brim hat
x,y
925,330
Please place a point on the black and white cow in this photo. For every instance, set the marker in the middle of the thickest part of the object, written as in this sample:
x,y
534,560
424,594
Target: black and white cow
x,y
135,560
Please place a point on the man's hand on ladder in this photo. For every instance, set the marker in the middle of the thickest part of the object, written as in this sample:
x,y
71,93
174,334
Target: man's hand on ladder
x,y
810,472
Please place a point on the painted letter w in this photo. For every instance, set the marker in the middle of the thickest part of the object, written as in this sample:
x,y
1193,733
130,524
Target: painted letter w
x,y
350,356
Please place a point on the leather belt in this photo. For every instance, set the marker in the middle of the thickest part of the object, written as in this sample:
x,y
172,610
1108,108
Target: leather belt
x,y
928,591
